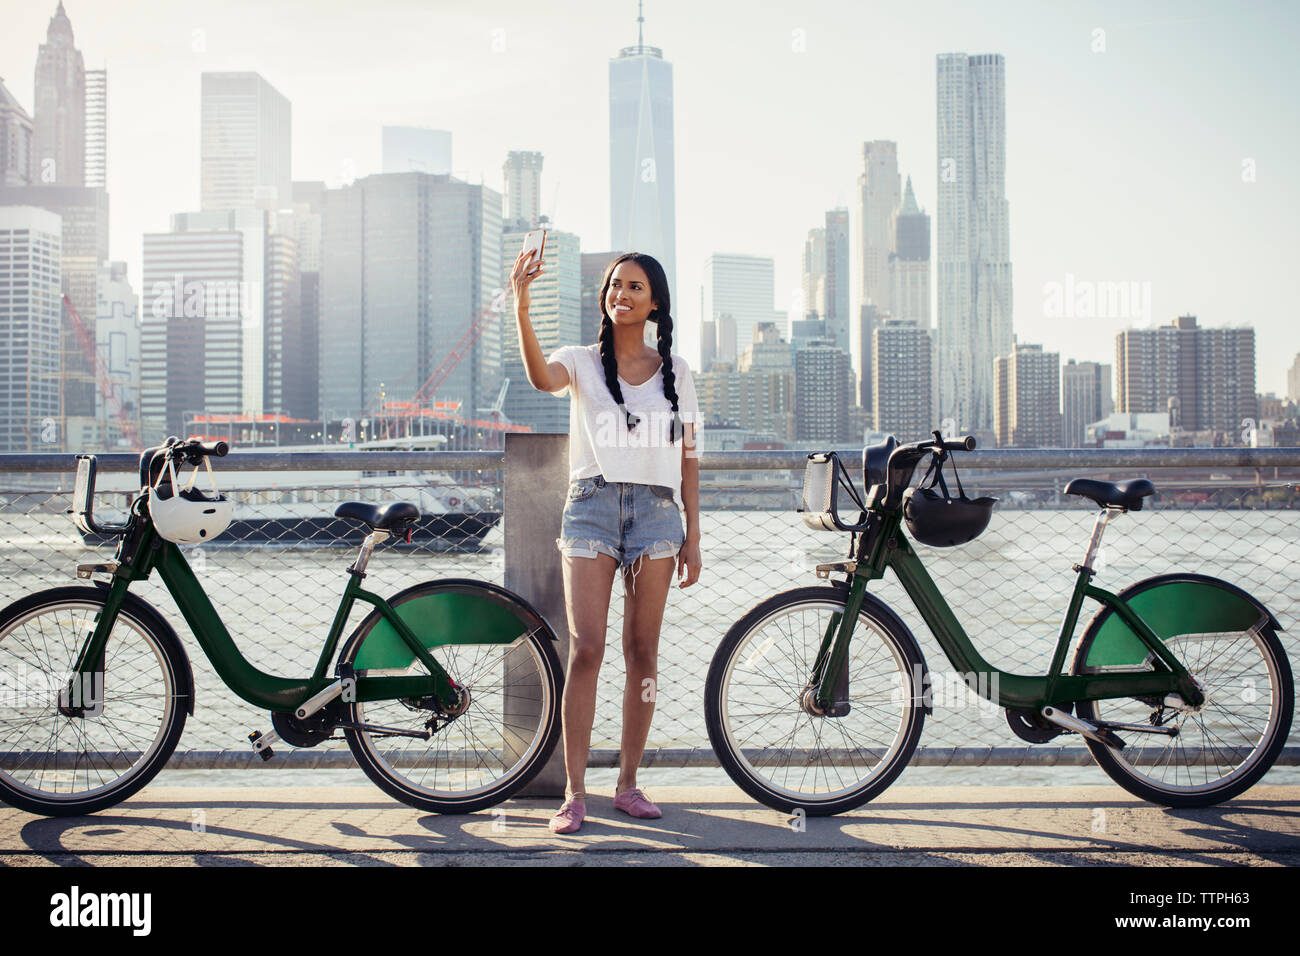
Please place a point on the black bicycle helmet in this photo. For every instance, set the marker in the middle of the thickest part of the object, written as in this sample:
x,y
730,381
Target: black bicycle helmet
x,y
940,520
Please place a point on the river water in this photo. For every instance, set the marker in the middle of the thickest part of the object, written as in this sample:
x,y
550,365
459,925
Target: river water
x,y
1008,588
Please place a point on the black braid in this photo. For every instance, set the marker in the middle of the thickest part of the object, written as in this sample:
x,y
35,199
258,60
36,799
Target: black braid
x,y
606,343
662,318
665,341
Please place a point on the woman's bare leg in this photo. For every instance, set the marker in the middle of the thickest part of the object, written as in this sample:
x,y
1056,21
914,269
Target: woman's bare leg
x,y
643,616
587,586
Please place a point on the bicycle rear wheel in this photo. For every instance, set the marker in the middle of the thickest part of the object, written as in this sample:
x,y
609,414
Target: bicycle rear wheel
x,y
60,765
781,755
1222,747
497,746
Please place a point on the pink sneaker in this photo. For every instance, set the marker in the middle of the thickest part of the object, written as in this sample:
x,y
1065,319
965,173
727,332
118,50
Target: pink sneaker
x,y
570,816
635,803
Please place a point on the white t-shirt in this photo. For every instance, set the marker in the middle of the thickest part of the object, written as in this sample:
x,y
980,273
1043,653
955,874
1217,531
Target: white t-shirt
x,y
600,442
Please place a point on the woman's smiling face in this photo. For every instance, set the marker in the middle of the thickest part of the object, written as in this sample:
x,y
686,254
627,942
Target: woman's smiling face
x,y
628,300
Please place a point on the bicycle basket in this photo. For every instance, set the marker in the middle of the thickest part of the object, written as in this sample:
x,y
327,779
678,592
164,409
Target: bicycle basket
x,y
83,501
819,505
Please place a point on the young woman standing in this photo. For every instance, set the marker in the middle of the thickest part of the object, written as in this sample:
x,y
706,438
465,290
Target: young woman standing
x,y
633,474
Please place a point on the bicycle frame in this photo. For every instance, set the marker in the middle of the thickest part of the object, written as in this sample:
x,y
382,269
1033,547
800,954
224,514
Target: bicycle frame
x,y
889,548
143,550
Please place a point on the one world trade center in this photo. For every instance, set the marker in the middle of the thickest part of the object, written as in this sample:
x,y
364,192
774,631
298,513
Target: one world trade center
x,y
642,217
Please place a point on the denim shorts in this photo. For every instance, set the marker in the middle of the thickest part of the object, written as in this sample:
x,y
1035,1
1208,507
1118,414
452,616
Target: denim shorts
x,y
624,520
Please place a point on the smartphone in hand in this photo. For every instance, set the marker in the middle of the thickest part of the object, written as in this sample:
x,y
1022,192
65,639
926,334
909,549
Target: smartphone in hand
x,y
536,239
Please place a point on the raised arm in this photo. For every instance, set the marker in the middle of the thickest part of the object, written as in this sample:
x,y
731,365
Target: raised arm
x,y
547,377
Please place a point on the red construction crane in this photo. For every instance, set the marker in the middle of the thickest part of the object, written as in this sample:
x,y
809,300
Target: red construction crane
x,y
106,390
472,334
418,405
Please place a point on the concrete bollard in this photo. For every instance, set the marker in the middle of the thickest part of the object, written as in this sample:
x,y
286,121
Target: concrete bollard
x,y
536,479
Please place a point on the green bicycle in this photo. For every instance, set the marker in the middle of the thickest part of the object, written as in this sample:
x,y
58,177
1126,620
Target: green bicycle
x,y
816,698
447,692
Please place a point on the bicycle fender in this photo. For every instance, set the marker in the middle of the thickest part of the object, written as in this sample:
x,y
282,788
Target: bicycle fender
x,y
1171,605
492,615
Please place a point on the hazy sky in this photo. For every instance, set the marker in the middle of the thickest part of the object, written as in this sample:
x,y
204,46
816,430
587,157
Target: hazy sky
x,y
1133,129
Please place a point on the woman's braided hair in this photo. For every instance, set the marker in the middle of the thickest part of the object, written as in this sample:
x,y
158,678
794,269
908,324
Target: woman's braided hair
x,y
664,323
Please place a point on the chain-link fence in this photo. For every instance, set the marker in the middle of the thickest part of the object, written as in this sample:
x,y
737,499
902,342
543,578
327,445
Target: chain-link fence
x,y
276,575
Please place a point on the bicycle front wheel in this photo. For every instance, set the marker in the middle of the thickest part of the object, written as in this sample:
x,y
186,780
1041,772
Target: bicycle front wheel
x,y
492,750
1220,748
787,758
55,764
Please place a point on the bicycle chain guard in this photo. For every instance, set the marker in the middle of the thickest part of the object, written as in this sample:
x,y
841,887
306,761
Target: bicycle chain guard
x,y
1030,726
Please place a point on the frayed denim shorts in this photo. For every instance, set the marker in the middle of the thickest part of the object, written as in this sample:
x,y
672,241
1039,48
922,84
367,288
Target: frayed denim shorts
x,y
627,521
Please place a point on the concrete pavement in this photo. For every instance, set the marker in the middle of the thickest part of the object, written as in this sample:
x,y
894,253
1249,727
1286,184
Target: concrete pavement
x,y
709,826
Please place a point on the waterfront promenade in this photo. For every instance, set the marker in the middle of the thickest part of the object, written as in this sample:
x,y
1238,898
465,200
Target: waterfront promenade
x,y
701,826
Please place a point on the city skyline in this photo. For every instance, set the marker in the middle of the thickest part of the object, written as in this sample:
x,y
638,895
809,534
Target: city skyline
x,y
1190,217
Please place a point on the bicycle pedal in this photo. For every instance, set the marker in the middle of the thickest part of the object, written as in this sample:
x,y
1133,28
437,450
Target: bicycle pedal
x,y
261,747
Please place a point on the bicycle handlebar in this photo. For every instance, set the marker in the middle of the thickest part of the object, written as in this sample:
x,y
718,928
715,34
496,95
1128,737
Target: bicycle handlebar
x,y
206,449
904,459
192,450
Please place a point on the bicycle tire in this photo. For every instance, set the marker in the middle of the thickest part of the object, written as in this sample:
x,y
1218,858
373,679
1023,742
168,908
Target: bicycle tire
x,y
523,729
147,691
887,677
1209,738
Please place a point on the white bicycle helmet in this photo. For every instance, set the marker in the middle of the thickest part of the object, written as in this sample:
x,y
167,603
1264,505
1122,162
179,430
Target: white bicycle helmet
x,y
188,516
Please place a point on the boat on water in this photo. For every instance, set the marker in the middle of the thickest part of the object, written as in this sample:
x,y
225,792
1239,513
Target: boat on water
x,y
297,507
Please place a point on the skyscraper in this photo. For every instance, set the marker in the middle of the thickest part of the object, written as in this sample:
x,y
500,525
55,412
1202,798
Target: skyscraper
x,y
973,253
823,394
555,313
59,115
30,361
909,263
1293,381
97,128
641,167
408,262
838,322
708,344
281,317
301,371
83,212
416,149
870,317
203,326
724,348
814,273
1204,377
1085,399
759,394
1027,398
117,337
15,141
901,380
742,287
878,199
523,180
244,151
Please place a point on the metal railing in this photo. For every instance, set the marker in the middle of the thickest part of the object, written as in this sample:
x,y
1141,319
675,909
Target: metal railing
x,y
277,573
